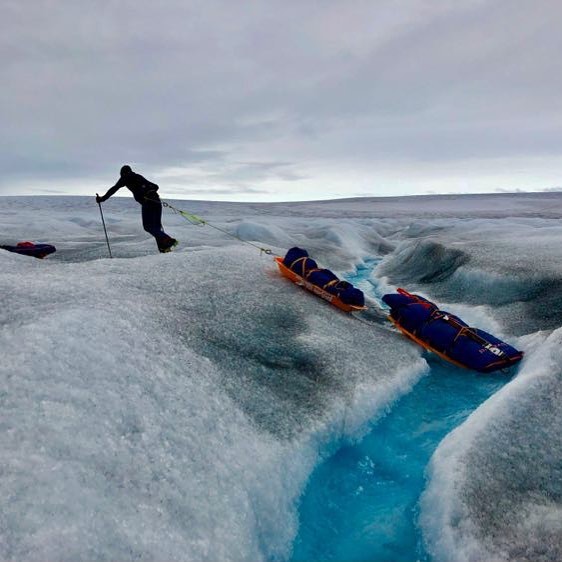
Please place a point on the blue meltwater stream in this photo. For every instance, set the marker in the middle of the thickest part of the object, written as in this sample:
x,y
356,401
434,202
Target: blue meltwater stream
x,y
361,504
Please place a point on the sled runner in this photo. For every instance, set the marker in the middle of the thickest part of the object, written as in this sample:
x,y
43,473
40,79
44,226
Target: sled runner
x,y
447,335
299,268
31,249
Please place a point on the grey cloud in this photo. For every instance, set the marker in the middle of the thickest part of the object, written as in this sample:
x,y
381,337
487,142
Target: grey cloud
x,y
231,176
198,191
243,97
51,191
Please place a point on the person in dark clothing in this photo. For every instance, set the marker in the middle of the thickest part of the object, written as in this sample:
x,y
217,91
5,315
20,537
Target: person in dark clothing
x,y
144,193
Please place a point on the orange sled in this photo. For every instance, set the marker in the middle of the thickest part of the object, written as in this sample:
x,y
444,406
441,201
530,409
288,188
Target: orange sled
x,y
485,353
318,291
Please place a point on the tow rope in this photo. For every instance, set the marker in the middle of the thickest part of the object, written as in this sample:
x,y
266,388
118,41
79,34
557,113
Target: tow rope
x,y
198,221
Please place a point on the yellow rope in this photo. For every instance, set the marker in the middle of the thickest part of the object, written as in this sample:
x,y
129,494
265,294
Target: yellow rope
x,y
194,219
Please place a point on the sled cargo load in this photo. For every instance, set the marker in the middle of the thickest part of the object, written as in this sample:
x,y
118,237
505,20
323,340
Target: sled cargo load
x,y
301,269
31,249
447,335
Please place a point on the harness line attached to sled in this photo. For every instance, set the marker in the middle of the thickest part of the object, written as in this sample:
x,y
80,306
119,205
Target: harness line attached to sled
x,y
198,221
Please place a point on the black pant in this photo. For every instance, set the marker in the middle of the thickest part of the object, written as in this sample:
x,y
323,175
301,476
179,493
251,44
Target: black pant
x,y
152,222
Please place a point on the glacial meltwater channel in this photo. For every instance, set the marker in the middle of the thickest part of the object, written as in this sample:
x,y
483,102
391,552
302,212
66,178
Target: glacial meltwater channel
x,y
361,504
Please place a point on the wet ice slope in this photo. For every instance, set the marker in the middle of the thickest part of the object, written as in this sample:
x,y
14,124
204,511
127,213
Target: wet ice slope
x,y
163,405
495,487
158,407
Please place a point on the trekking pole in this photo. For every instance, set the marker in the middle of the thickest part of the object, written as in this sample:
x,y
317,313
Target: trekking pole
x,y
104,229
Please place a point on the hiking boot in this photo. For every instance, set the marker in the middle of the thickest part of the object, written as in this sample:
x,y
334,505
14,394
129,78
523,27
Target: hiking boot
x,y
167,246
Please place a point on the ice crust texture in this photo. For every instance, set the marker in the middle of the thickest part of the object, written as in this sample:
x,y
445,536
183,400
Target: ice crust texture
x,y
172,407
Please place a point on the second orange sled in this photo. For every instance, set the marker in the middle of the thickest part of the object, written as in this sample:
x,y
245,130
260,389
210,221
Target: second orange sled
x,y
318,291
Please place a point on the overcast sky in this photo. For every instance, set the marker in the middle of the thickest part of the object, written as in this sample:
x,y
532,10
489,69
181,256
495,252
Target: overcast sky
x,y
281,100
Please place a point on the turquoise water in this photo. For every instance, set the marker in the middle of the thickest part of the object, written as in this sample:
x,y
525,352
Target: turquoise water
x,y
361,504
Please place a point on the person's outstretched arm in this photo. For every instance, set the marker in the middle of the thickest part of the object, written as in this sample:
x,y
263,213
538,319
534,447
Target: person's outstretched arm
x,y
110,192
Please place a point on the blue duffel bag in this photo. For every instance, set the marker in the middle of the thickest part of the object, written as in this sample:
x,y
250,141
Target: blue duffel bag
x,y
352,296
323,278
297,260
